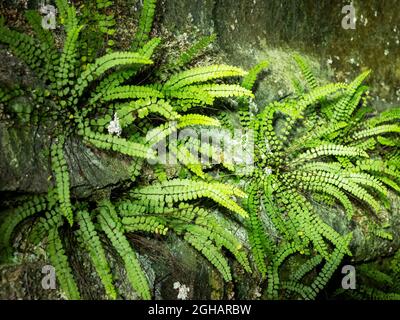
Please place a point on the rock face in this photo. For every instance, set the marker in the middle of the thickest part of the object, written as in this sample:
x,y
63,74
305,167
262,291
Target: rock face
x,y
166,262
248,31
25,167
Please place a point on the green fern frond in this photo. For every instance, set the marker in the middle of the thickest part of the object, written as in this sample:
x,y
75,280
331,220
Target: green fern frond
x,y
250,79
109,142
161,132
53,219
26,48
329,150
331,265
380,232
148,224
225,90
120,76
187,158
90,240
282,254
335,193
106,62
384,117
388,141
305,268
62,180
323,178
177,190
68,59
260,244
14,217
376,131
296,109
199,46
345,106
217,230
45,36
306,71
220,239
300,289
376,294
131,92
145,23
67,14
60,262
113,228
211,252
201,74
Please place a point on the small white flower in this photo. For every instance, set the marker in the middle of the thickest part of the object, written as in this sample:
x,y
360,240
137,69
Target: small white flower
x,y
177,285
183,290
253,108
114,127
386,52
268,171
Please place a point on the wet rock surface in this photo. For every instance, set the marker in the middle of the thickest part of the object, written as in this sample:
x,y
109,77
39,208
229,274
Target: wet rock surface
x,y
248,32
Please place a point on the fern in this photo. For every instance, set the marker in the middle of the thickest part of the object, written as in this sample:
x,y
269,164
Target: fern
x,y
68,15
111,225
108,142
273,273
59,166
68,59
85,93
91,241
201,74
43,35
183,190
211,252
302,155
251,77
308,266
60,262
145,23
187,56
14,218
102,64
321,145
26,48
260,244
52,219
331,265
306,71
